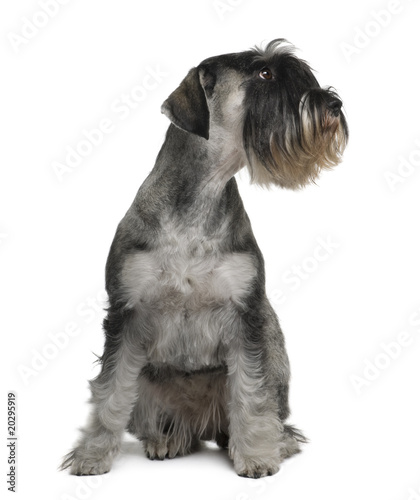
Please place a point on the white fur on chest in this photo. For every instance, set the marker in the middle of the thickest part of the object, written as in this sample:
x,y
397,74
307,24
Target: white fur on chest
x,y
188,290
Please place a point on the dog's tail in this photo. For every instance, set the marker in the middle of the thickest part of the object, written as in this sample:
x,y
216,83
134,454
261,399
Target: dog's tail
x,y
292,439
295,433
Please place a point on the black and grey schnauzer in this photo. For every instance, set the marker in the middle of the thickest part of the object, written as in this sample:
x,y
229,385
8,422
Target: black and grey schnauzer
x,y
193,348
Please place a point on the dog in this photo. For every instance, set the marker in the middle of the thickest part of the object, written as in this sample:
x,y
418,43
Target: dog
x,y
193,348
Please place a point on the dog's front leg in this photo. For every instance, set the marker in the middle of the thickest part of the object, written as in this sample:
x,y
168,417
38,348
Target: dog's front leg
x,y
256,377
114,392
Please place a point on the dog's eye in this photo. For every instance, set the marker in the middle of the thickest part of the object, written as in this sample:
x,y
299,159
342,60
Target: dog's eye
x,y
265,74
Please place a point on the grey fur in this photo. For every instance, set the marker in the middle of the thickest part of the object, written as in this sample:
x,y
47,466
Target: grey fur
x,y
193,349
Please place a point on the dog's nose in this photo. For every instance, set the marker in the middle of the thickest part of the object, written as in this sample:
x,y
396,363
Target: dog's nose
x,y
334,106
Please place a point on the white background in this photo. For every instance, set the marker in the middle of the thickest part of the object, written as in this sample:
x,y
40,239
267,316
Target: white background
x,y
337,317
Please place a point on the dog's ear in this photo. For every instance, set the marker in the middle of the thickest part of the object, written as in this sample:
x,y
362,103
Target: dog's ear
x,y
187,106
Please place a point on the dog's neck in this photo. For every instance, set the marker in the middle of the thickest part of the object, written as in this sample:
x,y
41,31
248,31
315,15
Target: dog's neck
x,y
193,177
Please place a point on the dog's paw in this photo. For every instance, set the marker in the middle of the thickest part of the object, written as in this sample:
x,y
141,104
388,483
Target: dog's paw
x,y
80,462
254,467
156,449
255,471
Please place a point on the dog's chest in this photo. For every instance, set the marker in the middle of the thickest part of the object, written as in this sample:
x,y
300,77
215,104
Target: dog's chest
x,y
187,289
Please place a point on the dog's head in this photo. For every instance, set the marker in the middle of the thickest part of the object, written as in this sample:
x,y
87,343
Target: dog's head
x,y
269,100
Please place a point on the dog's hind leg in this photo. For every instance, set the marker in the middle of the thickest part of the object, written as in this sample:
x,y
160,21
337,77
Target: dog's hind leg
x,y
114,392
